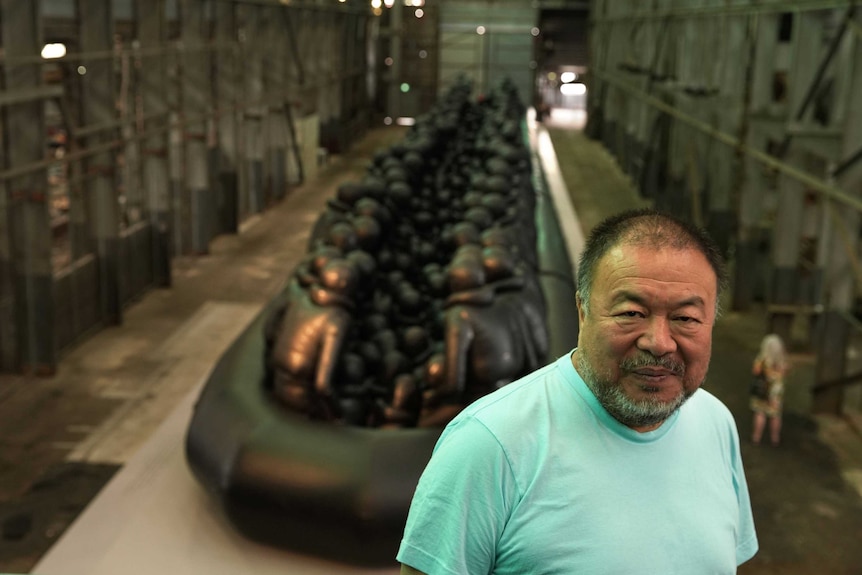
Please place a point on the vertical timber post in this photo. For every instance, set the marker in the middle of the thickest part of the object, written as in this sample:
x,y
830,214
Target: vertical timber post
x,y
749,278
844,236
395,33
98,94
275,83
29,256
227,72
253,110
8,327
154,155
785,251
196,114
178,208
787,231
723,163
294,72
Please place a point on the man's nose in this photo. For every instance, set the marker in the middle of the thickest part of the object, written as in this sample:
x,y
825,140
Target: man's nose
x,y
657,337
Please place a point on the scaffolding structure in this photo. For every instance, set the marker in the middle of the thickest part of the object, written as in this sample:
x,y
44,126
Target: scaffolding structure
x,y
746,117
133,138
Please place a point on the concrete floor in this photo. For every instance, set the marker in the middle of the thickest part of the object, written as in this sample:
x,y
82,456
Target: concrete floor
x,y
61,439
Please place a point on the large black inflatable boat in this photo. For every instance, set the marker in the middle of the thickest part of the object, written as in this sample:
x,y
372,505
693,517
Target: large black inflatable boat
x,y
328,489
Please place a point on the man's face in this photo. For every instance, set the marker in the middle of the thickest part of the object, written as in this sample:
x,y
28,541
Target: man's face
x,y
644,346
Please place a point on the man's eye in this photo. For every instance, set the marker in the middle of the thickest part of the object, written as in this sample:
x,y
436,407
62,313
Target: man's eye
x,y
630,314
686,319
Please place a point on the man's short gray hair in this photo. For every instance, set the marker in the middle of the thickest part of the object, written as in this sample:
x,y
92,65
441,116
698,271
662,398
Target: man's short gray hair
x,y
651,228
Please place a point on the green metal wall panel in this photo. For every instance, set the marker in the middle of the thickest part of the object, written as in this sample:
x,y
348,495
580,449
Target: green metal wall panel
x,y
504,48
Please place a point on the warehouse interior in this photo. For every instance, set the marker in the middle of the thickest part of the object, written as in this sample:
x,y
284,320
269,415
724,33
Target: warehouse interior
x,y
164,162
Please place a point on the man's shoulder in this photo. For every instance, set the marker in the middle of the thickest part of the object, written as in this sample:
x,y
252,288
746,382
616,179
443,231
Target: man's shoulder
x,y
705,406
708,400
520,401
525,389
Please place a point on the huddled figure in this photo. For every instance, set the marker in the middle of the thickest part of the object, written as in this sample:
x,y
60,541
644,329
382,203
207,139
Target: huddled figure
x,y
419,291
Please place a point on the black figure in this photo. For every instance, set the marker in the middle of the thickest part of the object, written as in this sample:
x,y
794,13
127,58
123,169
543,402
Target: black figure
x,y
337,210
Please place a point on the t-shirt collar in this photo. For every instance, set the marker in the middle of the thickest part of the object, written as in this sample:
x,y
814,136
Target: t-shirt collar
x,y
606,419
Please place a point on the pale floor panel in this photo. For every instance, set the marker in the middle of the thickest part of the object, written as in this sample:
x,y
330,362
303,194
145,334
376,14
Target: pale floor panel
x,y
184,359
153,517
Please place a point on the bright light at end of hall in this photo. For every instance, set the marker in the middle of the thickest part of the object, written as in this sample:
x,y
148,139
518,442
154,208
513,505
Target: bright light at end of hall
x,y
420,12
376,4
388,3
567,77
573,89
535,31
480,30
51,51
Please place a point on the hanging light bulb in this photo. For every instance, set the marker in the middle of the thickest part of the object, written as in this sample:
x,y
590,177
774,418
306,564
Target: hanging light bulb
x,y
52,51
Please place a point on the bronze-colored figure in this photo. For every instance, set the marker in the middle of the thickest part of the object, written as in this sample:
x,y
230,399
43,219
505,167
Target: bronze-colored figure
x,y
484,342
403,408
518,295
310,340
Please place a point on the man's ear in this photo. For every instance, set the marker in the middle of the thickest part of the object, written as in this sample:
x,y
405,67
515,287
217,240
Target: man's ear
x,y
580,303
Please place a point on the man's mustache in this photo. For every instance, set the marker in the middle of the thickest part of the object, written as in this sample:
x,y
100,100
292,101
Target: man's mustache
x,y
647,360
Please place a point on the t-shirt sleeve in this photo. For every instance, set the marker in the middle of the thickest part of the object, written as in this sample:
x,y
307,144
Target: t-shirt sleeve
x,y
461,503
746,542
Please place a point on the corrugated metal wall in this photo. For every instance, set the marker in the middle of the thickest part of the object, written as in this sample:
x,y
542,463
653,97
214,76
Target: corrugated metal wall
x,y
746,117
488,41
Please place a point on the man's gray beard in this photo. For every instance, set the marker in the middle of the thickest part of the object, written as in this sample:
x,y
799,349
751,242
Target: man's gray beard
x,y
629,412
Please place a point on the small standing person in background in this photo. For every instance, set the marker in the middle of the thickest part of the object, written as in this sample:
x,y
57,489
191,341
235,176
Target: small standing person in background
x,y
771,362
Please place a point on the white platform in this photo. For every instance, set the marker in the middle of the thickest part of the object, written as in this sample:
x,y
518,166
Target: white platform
x,y
153,517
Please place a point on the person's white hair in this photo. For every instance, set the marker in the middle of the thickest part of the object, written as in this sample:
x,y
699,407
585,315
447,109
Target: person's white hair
x,y
772,352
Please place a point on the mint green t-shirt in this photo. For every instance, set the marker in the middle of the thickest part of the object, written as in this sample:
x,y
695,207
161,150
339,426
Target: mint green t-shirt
x,y
538,478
